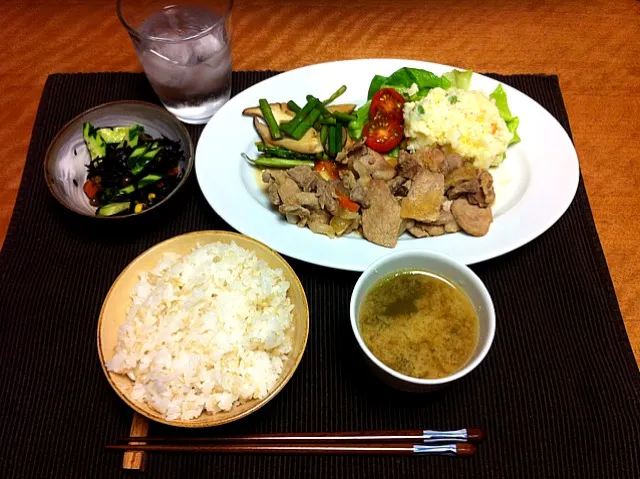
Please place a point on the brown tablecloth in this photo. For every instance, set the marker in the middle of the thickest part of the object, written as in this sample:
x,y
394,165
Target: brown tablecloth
x,y
559,392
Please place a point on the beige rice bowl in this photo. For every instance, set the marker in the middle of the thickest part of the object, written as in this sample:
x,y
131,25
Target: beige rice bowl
x,y
206,332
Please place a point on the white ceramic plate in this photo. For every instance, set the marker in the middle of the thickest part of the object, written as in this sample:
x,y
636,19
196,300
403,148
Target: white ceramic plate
x,y
534,185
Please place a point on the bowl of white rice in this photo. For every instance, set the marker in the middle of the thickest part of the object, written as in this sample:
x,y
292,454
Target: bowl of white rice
x,y
203,329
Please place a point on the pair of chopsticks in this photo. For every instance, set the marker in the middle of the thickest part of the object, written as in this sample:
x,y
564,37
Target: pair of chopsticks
x,y
411,442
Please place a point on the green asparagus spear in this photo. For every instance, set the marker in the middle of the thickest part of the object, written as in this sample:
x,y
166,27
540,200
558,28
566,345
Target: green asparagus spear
x,y
332,140
343,117
328,121
338,146
276,134
333,97
293,106
280,152
277,162
290,127
324,132
307,123
326,114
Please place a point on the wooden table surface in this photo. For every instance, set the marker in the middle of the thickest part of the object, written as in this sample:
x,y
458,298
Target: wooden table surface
x,y
593,45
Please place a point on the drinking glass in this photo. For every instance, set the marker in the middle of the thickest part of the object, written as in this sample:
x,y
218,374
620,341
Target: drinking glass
x,y
185,51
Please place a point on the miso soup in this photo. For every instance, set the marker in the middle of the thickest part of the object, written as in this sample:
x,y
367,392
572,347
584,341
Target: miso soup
x,y
419,324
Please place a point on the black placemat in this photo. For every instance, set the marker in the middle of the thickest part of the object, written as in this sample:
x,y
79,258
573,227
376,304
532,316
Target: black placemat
x,y
558,393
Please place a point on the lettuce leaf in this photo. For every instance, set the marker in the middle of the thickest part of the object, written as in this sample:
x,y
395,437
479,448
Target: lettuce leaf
x,y
459,79
362,116
402,79
500,97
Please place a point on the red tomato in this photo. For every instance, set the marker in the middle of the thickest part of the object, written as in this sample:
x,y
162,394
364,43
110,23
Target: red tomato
x,y
389,102
328,166
382,134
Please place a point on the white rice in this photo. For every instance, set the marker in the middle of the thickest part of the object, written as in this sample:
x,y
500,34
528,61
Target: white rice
x,y
206,332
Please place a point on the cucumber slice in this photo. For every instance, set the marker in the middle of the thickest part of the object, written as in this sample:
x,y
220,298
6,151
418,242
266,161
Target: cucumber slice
x,y
126,190
135,155
113,208
144,160
121,135
148,180
96,145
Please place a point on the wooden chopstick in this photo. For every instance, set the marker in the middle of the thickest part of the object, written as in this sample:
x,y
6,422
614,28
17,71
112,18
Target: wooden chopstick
x,y
136,460
417,435
459,449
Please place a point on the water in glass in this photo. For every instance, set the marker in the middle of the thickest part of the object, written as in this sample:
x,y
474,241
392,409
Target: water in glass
x,y
185,52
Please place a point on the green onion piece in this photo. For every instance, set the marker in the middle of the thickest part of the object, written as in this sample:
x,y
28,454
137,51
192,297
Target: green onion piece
x,y
276,134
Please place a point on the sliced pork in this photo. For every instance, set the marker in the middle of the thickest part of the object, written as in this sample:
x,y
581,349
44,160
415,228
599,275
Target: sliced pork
x,y
425,198
471,218
381,221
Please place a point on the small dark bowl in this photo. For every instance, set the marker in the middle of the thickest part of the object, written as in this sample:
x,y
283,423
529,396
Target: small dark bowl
x,y
65,163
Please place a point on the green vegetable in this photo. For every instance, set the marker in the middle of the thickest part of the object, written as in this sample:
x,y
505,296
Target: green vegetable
x,y
274,129
337,93
343,117
293,106
332,141
395,152
459,79
402,80
290,127
137,152
453,99
126,190
421,109
141,162
113,208
144,181
338,139
362,116
323,111
280,152
512,126
121,135
148,180
324,132
500,97
277,162
328,121
307,123
95,143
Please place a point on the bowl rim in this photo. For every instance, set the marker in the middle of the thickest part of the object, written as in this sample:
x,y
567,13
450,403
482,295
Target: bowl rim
x,y
189,155
468,272
157,417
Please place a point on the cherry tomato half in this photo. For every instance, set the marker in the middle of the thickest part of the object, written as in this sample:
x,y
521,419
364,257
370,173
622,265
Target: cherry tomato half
x,y
382,133
389,102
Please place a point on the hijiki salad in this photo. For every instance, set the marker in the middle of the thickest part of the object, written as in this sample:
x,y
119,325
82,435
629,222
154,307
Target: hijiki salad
x,y
129,170
415,157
